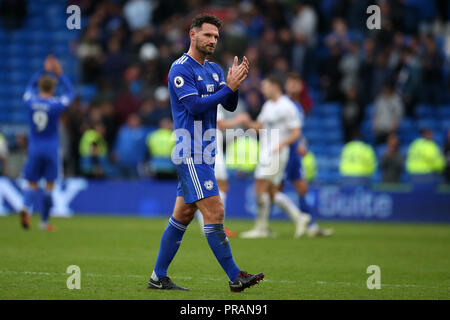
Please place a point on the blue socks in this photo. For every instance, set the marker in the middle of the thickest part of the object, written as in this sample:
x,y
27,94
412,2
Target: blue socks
x,y
38,200
30,199
218,243
47,203
170,242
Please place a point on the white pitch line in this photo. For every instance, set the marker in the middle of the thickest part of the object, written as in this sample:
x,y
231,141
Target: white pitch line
x,y
218,279
120,276
382,285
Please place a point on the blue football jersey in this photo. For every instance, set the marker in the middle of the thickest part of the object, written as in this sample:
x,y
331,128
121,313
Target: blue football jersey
x,y
188,77
302,119
43,115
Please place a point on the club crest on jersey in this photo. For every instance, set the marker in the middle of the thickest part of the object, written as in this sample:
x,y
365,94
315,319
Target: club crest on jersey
x,y
210,87
215,77
178,81
208,185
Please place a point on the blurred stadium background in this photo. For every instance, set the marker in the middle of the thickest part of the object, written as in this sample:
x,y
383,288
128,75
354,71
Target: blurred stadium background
x,y
120,58
114,145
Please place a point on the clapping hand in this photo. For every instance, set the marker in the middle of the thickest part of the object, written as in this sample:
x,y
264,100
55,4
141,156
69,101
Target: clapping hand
x,y
237,73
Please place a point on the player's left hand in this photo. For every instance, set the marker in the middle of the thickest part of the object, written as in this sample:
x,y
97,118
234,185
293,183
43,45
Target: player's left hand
x,y
241,68
237,74
244,64
49,63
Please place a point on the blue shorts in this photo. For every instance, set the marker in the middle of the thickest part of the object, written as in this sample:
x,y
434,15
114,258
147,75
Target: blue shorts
x,y
41,165
294,169
196,181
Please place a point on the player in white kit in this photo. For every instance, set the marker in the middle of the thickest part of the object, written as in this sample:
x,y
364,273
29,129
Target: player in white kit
x,y
279,126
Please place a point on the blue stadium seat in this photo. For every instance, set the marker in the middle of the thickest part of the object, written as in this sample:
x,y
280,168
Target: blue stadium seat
x,y
404,148
318,149
380,150
443,111
333,136
3,78
314,137
38,36
315,95
332,124
19,117
406,124
35,64
377,177
427,123
313,121
367,131
38,50
439,138
87,92
370,109
445,124
424,111
15,49
406,136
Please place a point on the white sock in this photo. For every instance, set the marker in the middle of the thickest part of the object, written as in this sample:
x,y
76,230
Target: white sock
x,y
262,219
288,207
200,220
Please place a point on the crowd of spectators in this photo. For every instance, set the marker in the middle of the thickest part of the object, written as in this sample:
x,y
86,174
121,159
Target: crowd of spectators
x,y
126,49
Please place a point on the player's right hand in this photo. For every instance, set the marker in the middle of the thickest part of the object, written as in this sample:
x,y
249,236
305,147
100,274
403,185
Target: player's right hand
x,y
48,63
237,73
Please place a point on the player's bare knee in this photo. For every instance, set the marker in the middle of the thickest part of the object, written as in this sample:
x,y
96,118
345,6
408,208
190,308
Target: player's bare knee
x,y
186,215
216,214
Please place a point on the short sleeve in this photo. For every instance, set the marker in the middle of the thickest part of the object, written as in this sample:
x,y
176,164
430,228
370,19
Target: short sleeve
x,y
263,114
293,117
181,80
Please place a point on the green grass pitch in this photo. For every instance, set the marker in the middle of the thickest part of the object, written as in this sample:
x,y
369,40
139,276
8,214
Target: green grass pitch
x,y
117,255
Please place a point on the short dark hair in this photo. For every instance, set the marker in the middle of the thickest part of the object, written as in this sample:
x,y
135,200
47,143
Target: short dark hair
x,y
275,79
202,18
294,75
47,83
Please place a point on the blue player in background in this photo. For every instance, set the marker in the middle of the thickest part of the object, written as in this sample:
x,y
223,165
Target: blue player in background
x,y
294,170
196,88
44,110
